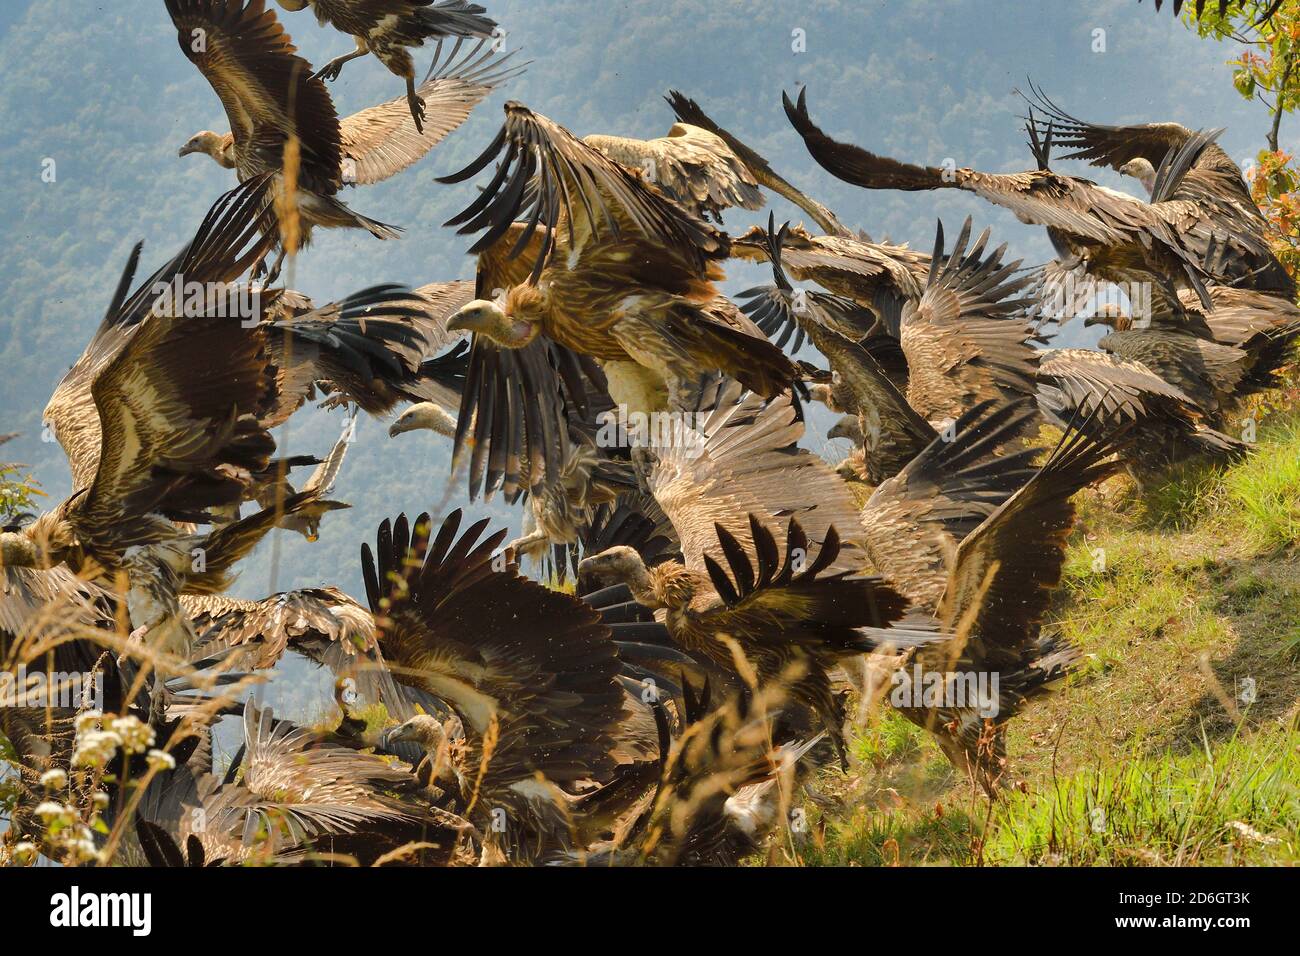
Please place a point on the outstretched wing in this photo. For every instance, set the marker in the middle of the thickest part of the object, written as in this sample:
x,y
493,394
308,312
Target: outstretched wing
x,y
968,339
790,602
267,89
503,651
740,456
1007,568
547,177
691,165
914,520
232,236
381,141
688,111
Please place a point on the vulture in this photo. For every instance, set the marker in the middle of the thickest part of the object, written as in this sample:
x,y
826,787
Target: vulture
x,y
781,624
1168,243
390,29
166,418
289,795
1212,375
742,457
1212,180
620,273
529,672
988,586
689,112
1167,426
692,166
879,277
271,99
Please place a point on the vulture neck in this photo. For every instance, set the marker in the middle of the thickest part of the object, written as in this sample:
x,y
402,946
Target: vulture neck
x,y
670,585
222,151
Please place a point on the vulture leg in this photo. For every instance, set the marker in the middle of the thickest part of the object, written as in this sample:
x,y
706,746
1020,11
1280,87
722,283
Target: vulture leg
x,y
416,103
331,70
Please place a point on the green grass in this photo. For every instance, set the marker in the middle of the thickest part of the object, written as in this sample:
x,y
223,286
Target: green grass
x,y
1181,595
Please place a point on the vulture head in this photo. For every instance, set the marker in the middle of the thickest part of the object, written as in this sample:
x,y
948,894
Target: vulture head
x,y
424,415
821,392
214,144
619,565
511,325
423,729
1142,170
1111,315
756,246
293,6
848,427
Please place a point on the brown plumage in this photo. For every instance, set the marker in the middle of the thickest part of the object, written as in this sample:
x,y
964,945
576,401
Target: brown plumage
x,y
997,590
690,165
880,277
390,29
914,519
271,100
966,339
529,671
623,274
688,111
1170,242
781,624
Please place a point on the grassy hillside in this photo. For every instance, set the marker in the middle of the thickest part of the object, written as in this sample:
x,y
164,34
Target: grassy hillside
x,y
1185,598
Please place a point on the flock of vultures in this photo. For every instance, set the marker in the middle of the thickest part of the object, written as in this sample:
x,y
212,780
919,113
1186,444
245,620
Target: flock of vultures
x,y
710,603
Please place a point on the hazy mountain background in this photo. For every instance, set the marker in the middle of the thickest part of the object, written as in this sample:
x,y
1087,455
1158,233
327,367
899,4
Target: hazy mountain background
x,y
102,89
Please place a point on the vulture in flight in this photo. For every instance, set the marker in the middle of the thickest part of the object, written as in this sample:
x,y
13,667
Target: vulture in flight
x,y
1213,180
688,111
390,29
529,671
619,272
988,586
879,277
1168,244
784,623
691,166
271,98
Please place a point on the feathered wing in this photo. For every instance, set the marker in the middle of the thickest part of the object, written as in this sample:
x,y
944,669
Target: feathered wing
x,y
529,671
547,177
742,458
691,165
381,141
850,339
1006,569
231,237
296,788
267,89
517,404
967,339
688,111
178,409
367,348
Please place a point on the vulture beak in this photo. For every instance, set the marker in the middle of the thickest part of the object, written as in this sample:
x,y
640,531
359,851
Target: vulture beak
x,y
472,317
186,149
395,429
